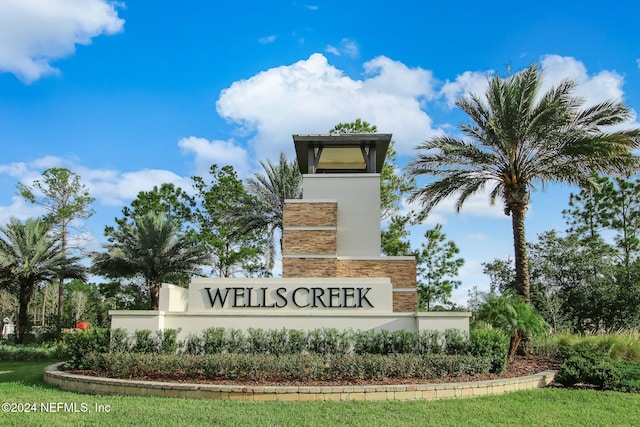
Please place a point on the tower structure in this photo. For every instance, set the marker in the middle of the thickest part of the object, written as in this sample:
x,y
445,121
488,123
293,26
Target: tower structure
x,y
334,230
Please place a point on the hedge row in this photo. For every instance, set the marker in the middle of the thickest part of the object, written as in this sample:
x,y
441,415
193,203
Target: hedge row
x,y
289,367
492,344
10,352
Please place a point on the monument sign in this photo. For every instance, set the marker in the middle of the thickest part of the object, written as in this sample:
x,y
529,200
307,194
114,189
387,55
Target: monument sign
x,y
333,273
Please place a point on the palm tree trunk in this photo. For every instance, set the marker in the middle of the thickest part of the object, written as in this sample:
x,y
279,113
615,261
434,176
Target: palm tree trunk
x,y
23,316
44,304
520,249
514,343
154,294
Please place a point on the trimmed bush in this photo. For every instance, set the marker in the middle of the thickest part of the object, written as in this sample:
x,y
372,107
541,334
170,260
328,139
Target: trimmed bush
x,y
296,367
119,341
589,363
80,344
491,343
630,382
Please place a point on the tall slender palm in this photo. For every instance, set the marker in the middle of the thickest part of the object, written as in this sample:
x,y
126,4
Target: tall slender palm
x,y
29,256
519,137
280,181
153,248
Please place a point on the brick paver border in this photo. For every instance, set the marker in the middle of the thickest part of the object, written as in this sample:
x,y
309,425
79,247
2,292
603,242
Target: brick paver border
x,y
99,385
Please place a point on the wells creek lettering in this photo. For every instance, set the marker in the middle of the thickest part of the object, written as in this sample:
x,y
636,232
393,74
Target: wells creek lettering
x,y
282,297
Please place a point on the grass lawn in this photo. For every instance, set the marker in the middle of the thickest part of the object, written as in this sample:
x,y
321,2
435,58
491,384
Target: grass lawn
x,y
21,383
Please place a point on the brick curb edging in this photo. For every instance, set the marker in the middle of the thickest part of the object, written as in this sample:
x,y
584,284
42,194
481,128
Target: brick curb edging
x,y
99,385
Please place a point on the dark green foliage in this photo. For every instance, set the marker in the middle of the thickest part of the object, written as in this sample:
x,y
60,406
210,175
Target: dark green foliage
x,y
455,342
329,341
66,200
213,341
29,256
233,249
168,341
349,352
630,382
119,341
80,344
437,265
587,364
144,342
152,247
289,367
9,352
513,315
263,209
491,343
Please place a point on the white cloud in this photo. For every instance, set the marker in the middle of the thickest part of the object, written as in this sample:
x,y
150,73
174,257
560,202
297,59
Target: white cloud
x,y
35,32
393,77
596,88
267,39
221,153
311,96
347,47
15,169
466,83
20,209
311,7
477,205
600,87
113,188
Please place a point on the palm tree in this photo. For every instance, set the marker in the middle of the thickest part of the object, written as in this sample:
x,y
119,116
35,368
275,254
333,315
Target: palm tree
x,y
153,248
29,256
280,181
519,137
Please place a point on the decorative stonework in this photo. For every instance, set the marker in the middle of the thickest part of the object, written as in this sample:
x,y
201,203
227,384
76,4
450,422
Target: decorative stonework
x,y
404,301
401,270
309,267
310,214
309,241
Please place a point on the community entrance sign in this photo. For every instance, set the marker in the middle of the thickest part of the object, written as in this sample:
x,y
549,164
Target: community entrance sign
x,y
332,273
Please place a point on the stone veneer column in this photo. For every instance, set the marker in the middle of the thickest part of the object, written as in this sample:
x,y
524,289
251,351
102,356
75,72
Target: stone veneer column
x,y
309,250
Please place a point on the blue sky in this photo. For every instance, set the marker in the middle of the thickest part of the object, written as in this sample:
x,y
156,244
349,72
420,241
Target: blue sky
x,y
133,94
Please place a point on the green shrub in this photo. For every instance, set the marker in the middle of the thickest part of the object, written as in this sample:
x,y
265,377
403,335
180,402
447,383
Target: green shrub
x,y
429,342
546,346
588,362
168,341
15,352
277,341
630,382
403,342
365,342
290,367
79,344
296,342
119,341
328,341
213,341
144,342
455,342
511,313
491,343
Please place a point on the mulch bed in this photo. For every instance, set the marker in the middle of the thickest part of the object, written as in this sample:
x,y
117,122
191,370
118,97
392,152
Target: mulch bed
x,y
521,366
